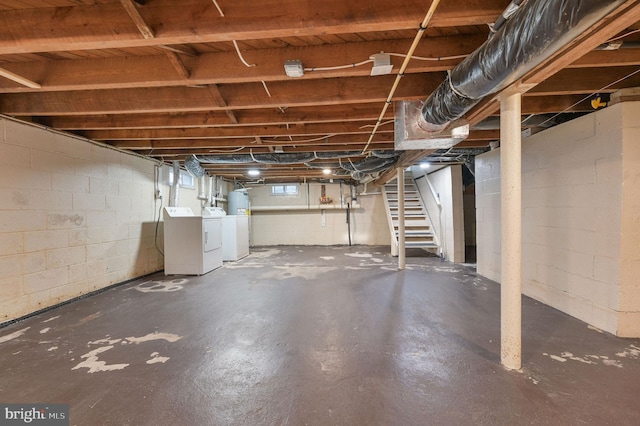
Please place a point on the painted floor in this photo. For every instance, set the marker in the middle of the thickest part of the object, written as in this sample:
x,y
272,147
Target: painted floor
x,y
316,336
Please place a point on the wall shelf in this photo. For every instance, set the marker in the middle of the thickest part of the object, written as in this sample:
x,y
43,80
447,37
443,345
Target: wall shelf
x,y
299,208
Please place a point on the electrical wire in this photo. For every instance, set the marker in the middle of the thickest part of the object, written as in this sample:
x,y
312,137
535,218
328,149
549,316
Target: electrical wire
x,y
218,7
590,95
218,151
155,239
339,67
405,63
623,36
275,140
248,65
372,125
368,61
266,89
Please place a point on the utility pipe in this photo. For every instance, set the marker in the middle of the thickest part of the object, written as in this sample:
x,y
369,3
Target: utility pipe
x,y
511,231
401,238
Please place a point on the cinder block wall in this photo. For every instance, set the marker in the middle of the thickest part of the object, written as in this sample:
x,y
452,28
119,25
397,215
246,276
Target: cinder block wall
x,y
74,217
283,219
581,226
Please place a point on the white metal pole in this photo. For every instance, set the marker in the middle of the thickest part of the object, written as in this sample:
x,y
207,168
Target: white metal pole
x,y
401,239
511,231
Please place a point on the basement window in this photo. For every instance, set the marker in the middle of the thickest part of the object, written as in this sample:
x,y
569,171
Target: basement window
x,y
284,189
186,179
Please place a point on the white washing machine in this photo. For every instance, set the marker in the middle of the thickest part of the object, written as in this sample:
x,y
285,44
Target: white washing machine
x,y
192,244
235,234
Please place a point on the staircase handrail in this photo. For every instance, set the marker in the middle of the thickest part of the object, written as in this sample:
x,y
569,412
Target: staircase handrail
x,y
438,234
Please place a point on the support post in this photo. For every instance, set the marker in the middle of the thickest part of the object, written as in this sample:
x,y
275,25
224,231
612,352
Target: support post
x,y
511,231
401,239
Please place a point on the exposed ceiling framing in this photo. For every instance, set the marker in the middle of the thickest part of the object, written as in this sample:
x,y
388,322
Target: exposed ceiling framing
x,y
168,79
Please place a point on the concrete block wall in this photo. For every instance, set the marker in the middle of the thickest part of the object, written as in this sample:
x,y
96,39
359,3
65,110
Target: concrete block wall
x,y
629,291
294,225
580,222
74,217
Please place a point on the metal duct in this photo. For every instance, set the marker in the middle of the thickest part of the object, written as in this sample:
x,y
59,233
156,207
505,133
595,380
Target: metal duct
x,y
536,31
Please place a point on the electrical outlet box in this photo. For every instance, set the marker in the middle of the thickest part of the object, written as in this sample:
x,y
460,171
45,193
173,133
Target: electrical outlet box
x,y
381,64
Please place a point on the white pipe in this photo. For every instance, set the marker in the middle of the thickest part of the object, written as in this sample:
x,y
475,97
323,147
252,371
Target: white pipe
x,y
401,236
511,231
202,188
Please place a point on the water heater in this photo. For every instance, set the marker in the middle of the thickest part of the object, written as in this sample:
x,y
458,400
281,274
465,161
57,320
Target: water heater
x,y
239,202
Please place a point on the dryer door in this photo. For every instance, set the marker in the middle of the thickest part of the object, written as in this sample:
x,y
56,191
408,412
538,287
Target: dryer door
x,y
212,233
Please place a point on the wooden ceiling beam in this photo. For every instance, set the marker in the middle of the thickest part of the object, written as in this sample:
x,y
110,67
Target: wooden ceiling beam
x,y
310,130
256,117
576,81
83,27
320,114
154,71
133,12
177,64
21,80
239,96
336,142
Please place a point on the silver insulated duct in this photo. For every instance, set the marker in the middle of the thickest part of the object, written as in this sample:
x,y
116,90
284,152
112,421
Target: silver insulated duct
x,y
534,32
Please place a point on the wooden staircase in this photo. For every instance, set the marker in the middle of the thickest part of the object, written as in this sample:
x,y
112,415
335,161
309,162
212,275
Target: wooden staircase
x,y
418,229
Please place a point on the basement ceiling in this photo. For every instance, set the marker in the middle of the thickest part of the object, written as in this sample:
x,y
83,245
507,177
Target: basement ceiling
x,y
169,79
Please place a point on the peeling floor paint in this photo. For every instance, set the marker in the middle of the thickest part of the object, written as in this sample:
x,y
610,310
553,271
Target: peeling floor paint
x,y
105,341
555,357
306,272
155,336
161,286
358,254
52,318
327,257
52,348
93,363
156,358
13,335
631,351
264,254
45,330
572,357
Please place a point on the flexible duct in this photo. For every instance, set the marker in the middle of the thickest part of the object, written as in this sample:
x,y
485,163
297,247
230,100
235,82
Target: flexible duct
x,y
536,31
193,166
379,160
371,164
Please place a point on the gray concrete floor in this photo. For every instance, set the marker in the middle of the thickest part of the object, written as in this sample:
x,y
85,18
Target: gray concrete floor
x,y
316,336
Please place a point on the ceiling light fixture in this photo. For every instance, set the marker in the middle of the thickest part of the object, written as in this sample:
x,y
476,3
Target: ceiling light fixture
x,y
293,68
253,172
326,171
